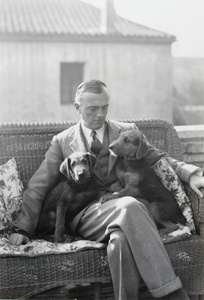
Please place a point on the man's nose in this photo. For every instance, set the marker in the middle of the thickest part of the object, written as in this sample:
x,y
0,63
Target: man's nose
x,y
100,112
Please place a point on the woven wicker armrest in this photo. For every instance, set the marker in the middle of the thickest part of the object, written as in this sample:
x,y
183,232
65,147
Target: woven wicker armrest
x,y
198,209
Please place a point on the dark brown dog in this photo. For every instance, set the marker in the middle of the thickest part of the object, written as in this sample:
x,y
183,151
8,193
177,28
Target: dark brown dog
x,y
138,179
68,198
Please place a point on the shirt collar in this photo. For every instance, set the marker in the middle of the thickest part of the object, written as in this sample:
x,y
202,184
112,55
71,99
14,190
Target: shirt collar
x,y
87,132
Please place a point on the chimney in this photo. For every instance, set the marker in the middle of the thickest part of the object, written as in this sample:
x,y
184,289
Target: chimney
x,y
107,17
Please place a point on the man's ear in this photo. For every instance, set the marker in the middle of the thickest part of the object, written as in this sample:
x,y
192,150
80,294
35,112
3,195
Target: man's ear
x,y
143,147
65,167
77,107
92,160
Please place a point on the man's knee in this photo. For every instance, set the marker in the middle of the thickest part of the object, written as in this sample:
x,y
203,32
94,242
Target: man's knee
x,y
134,211
117,235
132,203
117,241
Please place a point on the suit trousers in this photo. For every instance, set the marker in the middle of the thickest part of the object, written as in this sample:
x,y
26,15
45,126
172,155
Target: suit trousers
x,y
135,249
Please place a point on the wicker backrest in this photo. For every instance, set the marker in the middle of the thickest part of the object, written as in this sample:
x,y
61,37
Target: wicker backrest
x,y
28,142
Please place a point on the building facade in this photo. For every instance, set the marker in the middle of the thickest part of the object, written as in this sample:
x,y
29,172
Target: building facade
x,y
47,47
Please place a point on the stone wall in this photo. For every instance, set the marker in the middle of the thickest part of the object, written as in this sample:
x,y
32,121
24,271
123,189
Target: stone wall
x,y
192,139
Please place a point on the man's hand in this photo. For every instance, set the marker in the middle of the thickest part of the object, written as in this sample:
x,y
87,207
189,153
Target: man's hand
x,y
18,239
196,183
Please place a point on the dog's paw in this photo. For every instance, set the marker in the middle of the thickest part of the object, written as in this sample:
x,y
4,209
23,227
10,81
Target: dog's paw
x,y
106,197
169,229
116,194
59,239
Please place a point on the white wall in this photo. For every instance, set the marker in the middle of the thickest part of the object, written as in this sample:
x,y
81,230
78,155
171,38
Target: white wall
x,y
139,77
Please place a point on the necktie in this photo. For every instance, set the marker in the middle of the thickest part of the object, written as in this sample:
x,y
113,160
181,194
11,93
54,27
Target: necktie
x,y
95,143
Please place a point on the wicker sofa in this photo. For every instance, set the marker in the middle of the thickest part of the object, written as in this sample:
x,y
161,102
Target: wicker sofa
x,y
23,277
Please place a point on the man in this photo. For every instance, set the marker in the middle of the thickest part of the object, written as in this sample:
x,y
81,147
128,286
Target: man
x,y
135,250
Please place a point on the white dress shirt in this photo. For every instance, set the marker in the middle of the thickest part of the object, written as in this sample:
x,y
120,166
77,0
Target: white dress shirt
x,y
87,133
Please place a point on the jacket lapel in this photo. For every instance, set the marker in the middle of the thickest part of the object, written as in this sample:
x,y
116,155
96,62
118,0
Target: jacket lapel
x,y
77,140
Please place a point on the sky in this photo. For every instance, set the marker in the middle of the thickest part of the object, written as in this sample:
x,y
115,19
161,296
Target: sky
x,y
182,18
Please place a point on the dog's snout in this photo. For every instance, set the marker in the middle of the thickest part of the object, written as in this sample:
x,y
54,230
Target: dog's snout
x,y
80,174
79,171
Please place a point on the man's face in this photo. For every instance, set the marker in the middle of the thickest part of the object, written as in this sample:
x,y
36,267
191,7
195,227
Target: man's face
x,y
93,109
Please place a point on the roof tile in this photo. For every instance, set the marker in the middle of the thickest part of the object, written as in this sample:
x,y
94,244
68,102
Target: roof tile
x,y
66,18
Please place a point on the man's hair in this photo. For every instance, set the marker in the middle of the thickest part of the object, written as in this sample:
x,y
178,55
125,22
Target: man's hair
x,y
92,86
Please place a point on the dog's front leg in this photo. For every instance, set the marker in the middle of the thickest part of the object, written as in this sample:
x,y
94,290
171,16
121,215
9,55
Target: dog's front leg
x,y
128,190
108,196
111,193
131,191
130,184
60,219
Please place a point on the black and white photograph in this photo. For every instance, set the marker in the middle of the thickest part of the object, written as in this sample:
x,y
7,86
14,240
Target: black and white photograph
x,y
102,149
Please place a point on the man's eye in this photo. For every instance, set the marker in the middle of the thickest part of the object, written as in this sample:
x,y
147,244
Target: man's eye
x,y
105,107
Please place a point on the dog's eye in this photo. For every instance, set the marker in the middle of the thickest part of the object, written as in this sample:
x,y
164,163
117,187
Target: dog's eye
x,y
126,140
73,163
84,161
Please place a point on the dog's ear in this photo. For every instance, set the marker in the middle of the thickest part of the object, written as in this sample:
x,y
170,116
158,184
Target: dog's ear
x,y
65,167
143,147
92,160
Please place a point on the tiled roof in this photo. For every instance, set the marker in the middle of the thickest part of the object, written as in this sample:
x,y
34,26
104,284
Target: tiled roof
x,y
65,19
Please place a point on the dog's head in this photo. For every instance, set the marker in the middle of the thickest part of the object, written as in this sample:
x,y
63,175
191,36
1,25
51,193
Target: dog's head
x,y
78,166
131,144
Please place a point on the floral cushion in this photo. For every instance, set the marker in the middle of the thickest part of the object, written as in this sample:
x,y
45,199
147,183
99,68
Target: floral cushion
x,y
37,247
42,247
11,191
171,181
182,233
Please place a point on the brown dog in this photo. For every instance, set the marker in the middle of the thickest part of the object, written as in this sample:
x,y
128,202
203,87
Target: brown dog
x,y
68,198
138,179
